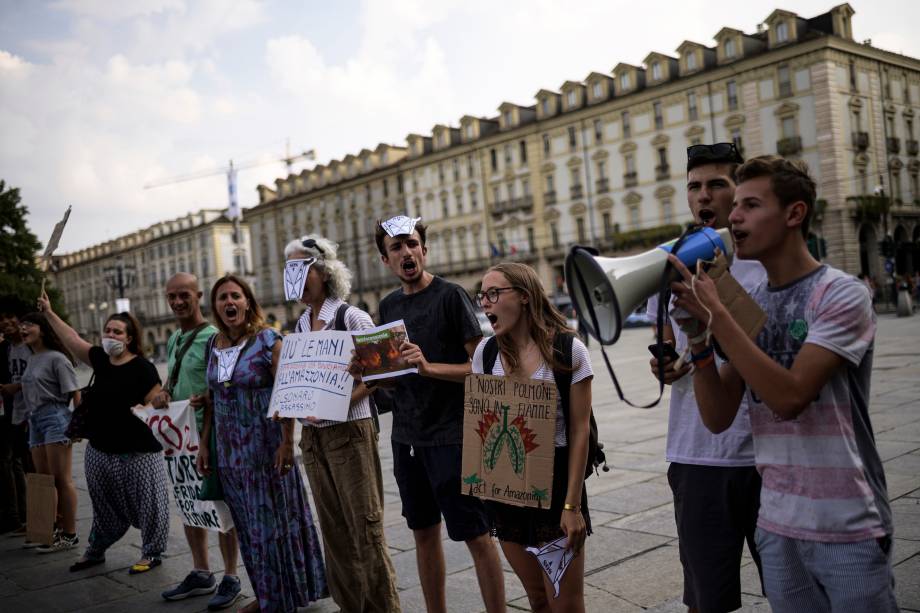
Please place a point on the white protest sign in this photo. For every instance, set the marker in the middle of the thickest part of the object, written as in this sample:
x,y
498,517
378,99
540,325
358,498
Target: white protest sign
x,y
56,235
312,379
176,431
295,277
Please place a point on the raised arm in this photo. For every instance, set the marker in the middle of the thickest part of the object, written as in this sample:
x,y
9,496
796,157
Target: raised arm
x,y
74,343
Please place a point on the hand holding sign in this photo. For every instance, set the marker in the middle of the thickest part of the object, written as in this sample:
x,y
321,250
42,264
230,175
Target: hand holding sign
x,y
295,277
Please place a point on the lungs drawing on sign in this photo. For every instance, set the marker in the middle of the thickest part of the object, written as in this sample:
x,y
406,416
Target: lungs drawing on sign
x,y
226,363
295,276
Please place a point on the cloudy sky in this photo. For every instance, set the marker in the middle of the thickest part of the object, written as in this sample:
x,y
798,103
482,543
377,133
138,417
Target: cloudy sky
x,y
100,97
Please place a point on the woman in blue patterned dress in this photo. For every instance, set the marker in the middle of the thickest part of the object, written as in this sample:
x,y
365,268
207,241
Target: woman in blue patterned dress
x,y
255,456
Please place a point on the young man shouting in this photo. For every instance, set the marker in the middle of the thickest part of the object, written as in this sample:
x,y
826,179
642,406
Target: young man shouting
x,y
824,529
428,414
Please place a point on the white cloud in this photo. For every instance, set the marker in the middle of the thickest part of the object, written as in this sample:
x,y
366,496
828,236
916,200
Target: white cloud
x,y
116,10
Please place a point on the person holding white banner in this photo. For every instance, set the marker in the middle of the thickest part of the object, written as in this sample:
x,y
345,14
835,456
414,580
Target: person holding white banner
x,y
187,365
341,458
255,455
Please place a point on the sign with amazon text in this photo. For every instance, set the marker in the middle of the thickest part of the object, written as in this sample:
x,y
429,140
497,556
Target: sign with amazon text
x,y
176,431
312,379
509,426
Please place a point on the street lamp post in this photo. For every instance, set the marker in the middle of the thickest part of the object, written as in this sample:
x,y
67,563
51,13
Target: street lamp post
x,y
97,310
120,277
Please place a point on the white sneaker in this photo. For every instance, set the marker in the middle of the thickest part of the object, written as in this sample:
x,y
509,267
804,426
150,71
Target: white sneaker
x,y
61,543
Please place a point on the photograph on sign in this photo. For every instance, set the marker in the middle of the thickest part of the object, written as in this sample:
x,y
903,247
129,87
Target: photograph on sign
x,y
377,351
509,427
312,379
175,429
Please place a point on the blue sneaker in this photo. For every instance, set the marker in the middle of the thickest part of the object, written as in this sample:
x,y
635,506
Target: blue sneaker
x,y
195,584
227,593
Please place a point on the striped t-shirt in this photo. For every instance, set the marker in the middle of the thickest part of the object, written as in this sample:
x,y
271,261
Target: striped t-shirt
x,y
822,475
581,370
355,319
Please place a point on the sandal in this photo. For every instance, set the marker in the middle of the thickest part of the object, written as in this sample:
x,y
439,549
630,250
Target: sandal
x,y
139,568
85,563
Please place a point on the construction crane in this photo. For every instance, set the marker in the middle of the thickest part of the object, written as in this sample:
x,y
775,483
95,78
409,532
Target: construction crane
x,y
233,210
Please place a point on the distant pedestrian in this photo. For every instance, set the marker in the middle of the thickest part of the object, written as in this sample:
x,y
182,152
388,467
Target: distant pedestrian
x,y
125,472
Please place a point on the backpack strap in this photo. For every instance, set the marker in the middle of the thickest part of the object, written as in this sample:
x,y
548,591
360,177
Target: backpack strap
x,y
340,317
489,355
562,349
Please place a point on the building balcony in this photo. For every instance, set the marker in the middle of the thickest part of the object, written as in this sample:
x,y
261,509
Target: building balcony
x,y
785,90
861,140
630,179
500,207
789,146
603,186
662,172
549,197
912,147
575,192
524,203
893,144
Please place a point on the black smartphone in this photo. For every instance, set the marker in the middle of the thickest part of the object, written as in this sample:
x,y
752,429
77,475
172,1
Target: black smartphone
x,y
667,351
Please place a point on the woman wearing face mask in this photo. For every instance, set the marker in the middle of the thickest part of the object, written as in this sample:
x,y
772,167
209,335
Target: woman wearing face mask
x,y
48,384
125,471
527,328
255,455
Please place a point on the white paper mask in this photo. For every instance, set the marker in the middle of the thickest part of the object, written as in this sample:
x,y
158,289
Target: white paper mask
x,y
554,559
226,362
295,276
400,225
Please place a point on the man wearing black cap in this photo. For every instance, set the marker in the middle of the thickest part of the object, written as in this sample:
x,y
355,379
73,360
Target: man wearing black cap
x,y
715,485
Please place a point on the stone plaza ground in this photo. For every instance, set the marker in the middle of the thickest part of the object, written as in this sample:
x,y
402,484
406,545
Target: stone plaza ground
x,y
632,559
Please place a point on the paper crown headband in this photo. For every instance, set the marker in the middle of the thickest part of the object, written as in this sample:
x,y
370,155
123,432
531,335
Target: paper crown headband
x,y
396,226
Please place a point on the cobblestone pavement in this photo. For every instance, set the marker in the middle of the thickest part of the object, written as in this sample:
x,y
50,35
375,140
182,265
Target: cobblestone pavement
x,y
632,561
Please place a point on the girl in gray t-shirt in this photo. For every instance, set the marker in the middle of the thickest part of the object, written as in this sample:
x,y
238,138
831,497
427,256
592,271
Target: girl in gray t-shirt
x,y
48,384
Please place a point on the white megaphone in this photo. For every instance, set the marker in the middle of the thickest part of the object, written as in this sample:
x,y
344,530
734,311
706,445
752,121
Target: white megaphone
x,y
613,287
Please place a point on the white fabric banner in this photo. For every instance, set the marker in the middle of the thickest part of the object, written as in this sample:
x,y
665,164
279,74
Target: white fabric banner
x,y
176,430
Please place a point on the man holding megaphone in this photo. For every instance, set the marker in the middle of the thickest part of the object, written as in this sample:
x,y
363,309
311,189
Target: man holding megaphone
x,y
713,479
824,526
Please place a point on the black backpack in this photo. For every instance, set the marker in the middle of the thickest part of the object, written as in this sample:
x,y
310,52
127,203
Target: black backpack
x,y
562,346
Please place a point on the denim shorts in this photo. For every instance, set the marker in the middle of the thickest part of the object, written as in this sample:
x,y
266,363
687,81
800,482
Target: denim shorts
x,y
49,425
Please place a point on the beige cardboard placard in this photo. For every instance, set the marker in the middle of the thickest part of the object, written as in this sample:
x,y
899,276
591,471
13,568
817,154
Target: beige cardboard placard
x,y
509,427
41,508
743,309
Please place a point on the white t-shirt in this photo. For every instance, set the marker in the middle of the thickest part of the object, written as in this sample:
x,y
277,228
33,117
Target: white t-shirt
x,y
689,441
581,370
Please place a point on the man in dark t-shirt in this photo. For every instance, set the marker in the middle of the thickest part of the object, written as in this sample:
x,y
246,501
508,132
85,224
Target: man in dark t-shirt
x,y
428,414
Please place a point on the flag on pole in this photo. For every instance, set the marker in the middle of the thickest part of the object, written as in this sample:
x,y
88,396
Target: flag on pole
x,y
233,211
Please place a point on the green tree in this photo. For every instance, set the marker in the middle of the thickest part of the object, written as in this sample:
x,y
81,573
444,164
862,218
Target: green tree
x,y
20,276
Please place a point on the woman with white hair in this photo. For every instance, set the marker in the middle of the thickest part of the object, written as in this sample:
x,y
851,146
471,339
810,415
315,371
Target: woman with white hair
x,y
341,458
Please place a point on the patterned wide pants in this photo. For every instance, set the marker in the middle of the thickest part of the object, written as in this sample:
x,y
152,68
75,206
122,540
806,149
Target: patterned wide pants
x,y
127,490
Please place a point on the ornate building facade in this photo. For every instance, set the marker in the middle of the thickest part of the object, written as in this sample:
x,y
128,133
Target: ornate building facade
x,y
200,243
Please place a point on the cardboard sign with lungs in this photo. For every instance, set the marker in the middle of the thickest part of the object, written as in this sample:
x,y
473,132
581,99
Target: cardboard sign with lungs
x,y
295,277
175,429
509,428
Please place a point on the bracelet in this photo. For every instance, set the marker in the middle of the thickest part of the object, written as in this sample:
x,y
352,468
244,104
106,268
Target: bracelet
x,y
702,355
571,507
702,362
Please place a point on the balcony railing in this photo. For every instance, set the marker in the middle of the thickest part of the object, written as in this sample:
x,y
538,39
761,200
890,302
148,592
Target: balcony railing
x,y
549,197
912,147
662,172
861,140
603,186
789,146
785,89
576,191
630,179
893,145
